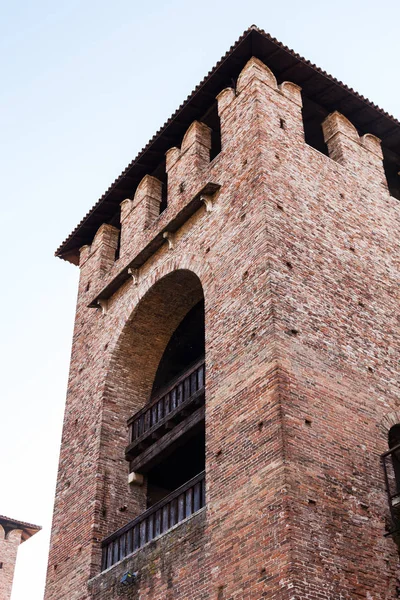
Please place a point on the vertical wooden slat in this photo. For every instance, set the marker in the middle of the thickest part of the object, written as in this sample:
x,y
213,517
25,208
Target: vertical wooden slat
x,y
197,496
109,555
150,528
167,407
179,394
165,519
186,388
154,415
142,540
115,555
129,542
122,546
200,377
136,538
173,399
173,507
193,382
181,507
157,523
188,501
147,420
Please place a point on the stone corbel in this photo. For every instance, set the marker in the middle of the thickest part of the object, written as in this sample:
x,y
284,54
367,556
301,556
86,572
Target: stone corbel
x,y
135,479
134,273
103,305
167,235
208,201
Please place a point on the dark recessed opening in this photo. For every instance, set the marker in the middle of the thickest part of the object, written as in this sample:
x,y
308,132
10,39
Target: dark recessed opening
x,y
185,347
116,222
391,164
394,440
183,464
313,116
211,118
161,174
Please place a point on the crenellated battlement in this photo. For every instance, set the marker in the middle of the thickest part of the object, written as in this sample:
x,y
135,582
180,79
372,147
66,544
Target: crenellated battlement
x,y
362,154
258,103
101,253
141,212
185,166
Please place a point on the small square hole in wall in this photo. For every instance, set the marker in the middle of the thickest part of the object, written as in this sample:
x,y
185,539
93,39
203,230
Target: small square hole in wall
x,y
1,565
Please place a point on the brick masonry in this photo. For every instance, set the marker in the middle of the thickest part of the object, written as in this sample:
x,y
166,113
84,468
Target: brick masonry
x,y
298,264
8,555
12,534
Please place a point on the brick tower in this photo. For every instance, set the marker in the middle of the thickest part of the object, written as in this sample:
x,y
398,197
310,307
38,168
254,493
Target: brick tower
x,y
12,534
235,369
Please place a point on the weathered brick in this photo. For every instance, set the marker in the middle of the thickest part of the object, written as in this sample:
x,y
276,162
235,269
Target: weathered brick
x,y
297,261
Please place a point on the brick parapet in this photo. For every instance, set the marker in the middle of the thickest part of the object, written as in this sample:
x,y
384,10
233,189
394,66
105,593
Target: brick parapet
x,y
360,154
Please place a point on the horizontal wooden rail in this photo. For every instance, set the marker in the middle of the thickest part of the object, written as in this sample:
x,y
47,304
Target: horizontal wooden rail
x,y
176,402
158,519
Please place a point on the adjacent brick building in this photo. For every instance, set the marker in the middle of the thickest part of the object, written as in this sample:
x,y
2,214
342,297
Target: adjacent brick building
x,y
12,534
252,245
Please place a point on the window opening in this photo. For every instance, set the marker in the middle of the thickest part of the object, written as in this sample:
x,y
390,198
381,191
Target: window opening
x,y
391,164
184,463
161,174
116,222
185,347
212,120
313,116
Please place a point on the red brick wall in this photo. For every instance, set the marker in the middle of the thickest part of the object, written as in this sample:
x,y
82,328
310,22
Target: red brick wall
x,y
8,555
298,265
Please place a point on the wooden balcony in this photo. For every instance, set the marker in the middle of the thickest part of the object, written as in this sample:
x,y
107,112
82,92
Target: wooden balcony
x,y
177,409
158,519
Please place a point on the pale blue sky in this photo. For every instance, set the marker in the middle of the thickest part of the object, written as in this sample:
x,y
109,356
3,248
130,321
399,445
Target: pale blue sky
x,y
84,86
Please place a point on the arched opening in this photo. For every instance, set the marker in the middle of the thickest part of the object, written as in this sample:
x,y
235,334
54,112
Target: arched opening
x,y
156,384
185,458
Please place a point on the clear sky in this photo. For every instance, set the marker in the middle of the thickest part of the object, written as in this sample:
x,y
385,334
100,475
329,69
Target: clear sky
x,y
84,85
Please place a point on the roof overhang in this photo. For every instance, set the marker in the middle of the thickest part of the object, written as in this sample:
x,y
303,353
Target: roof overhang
x,y
28,529
317,85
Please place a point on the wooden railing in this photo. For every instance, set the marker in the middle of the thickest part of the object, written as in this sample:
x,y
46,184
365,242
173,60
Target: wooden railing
x,y
391,467
176,402
158,519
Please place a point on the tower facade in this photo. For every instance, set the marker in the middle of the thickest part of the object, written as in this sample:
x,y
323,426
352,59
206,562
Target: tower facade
x,y
234,370
12,534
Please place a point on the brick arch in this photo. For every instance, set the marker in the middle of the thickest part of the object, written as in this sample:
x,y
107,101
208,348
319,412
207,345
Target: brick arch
x,y
189,262
161,301
390,419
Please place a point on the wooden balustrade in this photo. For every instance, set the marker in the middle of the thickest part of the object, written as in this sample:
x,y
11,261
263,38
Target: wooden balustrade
x,y
175,403
158,519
